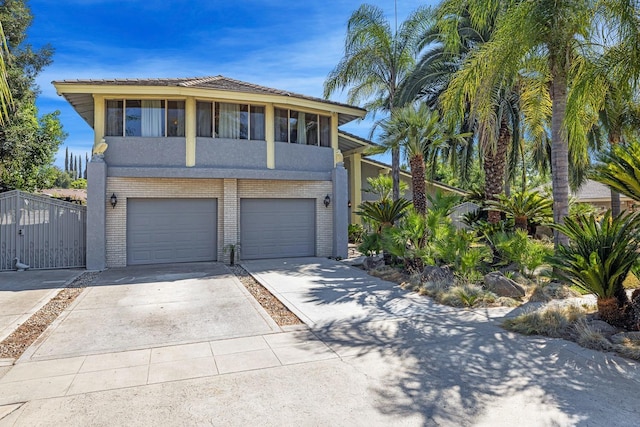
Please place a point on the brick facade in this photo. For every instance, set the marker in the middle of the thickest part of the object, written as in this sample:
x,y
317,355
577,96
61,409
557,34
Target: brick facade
x,y
228,192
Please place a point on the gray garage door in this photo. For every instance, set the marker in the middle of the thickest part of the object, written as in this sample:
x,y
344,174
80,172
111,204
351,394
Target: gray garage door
x,y
277,228
171,230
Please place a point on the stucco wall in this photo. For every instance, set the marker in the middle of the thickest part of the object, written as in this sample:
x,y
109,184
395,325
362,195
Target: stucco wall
x,y
141,151
225,153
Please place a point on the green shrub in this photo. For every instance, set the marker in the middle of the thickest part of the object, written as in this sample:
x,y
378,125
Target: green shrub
x,y
371,244
599,257
518,248
356,231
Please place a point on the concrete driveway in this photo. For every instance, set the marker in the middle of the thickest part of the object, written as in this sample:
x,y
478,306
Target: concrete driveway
x,y
151,306
22,293
374,355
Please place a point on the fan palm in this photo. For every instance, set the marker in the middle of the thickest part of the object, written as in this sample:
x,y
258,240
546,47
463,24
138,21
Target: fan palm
x,y
412,130
375,62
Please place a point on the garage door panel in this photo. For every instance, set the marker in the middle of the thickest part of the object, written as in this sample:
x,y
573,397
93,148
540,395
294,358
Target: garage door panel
x,y
277,228
171,230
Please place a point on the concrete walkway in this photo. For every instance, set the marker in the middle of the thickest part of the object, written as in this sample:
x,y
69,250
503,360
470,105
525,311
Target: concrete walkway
x,y
374,356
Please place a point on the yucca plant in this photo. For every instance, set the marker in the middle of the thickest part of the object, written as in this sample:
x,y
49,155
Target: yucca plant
x,y
598,258
524,207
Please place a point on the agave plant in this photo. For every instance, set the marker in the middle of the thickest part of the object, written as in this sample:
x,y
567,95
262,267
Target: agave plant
x,y
524,207
598,258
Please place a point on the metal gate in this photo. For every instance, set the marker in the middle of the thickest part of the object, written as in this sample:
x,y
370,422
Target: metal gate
x,y
41,232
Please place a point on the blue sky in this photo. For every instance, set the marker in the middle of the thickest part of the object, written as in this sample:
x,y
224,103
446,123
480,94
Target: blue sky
x,y
280,44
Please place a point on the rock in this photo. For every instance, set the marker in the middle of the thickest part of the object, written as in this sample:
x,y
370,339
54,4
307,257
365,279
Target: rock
x,y
543,231
622,336
502,286
372,263
435,274
602,327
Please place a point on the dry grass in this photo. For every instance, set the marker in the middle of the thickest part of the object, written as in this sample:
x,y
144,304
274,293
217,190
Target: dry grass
x,y
588,337
554,322
628,348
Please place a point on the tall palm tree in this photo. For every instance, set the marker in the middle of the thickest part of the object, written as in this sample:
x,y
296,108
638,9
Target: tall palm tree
x,y
376,60
498,135
414,131
554,31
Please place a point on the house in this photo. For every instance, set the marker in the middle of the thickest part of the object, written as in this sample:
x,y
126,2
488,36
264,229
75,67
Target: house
x,y
599,195
183,168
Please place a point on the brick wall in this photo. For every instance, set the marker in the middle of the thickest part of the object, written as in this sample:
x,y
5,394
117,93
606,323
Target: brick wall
x,y
228,192
297,189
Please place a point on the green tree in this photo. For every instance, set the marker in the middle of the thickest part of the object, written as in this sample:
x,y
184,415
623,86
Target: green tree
x,y
619,168
6,99
27,141
543,38
413,131
376,60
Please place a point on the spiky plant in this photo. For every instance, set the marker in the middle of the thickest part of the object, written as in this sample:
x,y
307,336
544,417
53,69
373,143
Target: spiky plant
x,y
524,207
598,257
383,213
620,169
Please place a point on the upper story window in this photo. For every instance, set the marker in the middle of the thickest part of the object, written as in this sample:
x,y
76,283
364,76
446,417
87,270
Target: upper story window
x,y
146,117
299,127
232,121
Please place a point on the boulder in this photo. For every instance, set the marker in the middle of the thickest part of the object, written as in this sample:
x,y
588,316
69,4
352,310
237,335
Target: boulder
x,y
602,327
435,274
372,263
622,336
502,286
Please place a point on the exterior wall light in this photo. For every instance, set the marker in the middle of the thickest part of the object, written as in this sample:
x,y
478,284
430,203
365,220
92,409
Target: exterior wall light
x,y
114,201
327,201
349,204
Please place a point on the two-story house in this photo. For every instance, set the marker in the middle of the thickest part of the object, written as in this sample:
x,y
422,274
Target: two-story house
x,y
183,168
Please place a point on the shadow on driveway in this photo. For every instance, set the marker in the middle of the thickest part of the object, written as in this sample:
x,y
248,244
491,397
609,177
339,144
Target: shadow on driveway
x,y
151,306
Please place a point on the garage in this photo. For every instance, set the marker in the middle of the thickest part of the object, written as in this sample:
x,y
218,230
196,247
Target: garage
x,y
277,228
171,230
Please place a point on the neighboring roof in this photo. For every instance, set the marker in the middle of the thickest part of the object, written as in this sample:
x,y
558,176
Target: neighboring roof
x,y
71,193
82,101
594,191
408,175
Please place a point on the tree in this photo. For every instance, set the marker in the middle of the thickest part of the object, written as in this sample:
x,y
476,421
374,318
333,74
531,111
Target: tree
x,y
86,165
66,159
619,168
376,60
542,39
27,141
497,131
413,131
6,98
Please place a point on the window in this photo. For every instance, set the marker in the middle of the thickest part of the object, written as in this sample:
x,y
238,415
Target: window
x,y
298,127
230,121
147,118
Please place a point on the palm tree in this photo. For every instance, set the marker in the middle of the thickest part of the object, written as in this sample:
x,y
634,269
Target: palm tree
x,y
412,130
541,39
498,135
6,99
376,60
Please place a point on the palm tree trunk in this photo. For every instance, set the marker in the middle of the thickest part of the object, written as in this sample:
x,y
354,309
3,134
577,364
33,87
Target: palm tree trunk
x,y
418,184
395,172
615,203
494,163
559,150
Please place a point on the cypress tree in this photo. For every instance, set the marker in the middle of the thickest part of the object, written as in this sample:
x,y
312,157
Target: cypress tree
x,y
66,159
